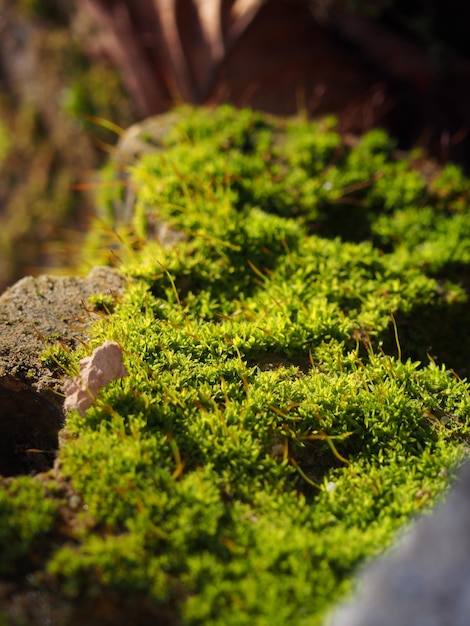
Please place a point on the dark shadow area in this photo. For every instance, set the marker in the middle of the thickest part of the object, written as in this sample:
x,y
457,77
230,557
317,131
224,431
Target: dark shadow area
x,y
28,605
439,332
351,222
29,429
271,361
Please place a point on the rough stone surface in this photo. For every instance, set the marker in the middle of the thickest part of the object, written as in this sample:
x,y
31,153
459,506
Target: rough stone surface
x,y
36,313
425,580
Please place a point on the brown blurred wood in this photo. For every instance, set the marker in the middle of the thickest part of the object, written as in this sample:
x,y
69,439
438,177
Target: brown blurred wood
x,y
271,55
170,50
283,56
123,41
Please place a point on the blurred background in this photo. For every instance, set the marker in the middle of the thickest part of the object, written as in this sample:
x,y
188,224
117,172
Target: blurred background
x,y
72,74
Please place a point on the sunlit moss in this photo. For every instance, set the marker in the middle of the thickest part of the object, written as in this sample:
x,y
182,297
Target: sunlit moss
x,y
273,432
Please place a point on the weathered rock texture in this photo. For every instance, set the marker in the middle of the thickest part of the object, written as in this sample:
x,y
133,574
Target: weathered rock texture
x,y
36,313
425,581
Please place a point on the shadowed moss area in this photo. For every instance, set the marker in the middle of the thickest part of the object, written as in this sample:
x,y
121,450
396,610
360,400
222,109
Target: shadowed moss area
x,y
270,436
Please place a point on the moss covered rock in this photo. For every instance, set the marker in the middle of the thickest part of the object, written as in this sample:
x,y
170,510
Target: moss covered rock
x,y
282,418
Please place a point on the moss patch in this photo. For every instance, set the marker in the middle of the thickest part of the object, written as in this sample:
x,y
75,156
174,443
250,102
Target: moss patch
x,y
273,432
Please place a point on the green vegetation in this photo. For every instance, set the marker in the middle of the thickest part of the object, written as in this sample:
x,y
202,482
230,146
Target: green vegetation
x,y
25,515
281,419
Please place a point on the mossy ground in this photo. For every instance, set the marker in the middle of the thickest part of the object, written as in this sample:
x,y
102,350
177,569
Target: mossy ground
x,y
287,410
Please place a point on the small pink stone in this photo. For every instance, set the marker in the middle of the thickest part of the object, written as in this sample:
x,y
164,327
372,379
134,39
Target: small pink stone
x,y
96,371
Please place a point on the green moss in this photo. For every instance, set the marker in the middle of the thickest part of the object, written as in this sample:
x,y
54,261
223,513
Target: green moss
x,y
270,437
26,516
57,358
416,226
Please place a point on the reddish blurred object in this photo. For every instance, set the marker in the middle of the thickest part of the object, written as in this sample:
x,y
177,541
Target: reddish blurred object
x,y
365,65
272,55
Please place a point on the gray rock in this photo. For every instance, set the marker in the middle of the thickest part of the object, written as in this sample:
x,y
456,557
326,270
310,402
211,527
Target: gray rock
x,y
36,313
425,579
145,137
